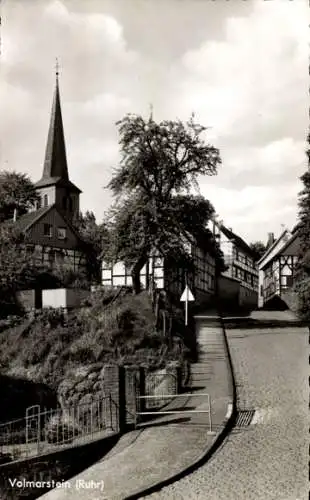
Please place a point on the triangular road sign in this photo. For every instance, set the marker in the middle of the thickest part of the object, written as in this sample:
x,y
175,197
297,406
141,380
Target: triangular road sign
x,y
187,295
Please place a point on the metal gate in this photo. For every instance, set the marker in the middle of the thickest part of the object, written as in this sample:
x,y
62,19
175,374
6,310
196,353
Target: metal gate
x,y
158,385
33,425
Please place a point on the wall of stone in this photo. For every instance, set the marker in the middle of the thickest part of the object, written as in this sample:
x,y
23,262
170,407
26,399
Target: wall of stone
x,y
80,383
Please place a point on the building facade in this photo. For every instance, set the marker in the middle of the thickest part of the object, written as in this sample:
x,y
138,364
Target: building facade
x,y
48,228
241,265
167,276
277,268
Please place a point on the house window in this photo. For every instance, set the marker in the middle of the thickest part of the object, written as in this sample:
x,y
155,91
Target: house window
x,y
240,274
48,230
61,233
45,200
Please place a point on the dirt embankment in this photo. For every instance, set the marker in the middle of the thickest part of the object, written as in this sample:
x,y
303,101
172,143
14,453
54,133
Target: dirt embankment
x,y
61,356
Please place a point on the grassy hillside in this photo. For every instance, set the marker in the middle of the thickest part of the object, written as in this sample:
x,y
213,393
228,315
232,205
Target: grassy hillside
x,y
112,326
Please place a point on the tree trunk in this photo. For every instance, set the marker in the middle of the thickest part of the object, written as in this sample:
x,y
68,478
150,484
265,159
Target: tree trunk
x,y
135,274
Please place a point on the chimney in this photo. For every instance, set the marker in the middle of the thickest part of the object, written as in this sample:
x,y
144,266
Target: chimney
x,y
270,240
15,215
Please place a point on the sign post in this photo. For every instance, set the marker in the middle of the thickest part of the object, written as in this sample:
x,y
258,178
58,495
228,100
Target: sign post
x,y
187,297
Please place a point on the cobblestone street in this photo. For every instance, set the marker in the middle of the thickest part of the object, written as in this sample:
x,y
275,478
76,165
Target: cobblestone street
x,y
268,459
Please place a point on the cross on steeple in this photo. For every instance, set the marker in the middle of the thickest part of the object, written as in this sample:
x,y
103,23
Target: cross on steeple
x,y
57,68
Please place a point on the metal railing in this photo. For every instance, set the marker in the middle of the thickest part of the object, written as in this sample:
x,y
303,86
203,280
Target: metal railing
x,y
44,430
183,411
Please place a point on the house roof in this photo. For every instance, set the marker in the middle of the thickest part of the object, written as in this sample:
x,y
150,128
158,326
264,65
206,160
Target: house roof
x,y
269,250
24,222
293,237
53,181
237,240
296,227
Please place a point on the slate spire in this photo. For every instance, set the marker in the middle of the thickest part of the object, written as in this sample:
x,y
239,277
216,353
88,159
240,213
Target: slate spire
x,y
55,162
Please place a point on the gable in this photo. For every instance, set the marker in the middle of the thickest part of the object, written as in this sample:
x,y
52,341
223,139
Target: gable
x,y
293,246
237,241
52,217
274,250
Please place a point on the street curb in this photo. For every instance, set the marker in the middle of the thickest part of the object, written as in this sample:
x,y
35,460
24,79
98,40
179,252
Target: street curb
x,y
227,426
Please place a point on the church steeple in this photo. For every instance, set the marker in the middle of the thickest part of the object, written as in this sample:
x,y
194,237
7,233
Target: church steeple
x,y
55,162
54,187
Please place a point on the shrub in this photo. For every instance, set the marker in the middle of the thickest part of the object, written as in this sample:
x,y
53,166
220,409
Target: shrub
x,y
82,355
5,457
302,288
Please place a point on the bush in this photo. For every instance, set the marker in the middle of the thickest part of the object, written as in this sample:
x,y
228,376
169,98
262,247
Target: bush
x,y
121,331
52,317
10,322
5,457
82,355
302,288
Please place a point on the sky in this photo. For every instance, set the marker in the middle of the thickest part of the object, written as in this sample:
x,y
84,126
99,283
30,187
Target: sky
x,y
240,66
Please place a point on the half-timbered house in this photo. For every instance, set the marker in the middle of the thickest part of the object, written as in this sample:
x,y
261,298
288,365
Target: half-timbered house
x,y
169,277
277,267
240,261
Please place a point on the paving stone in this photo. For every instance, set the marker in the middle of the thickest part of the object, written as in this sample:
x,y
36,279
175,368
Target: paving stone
x,y
267,460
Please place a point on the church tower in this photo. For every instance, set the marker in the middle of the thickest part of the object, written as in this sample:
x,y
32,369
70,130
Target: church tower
x,y
55,188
